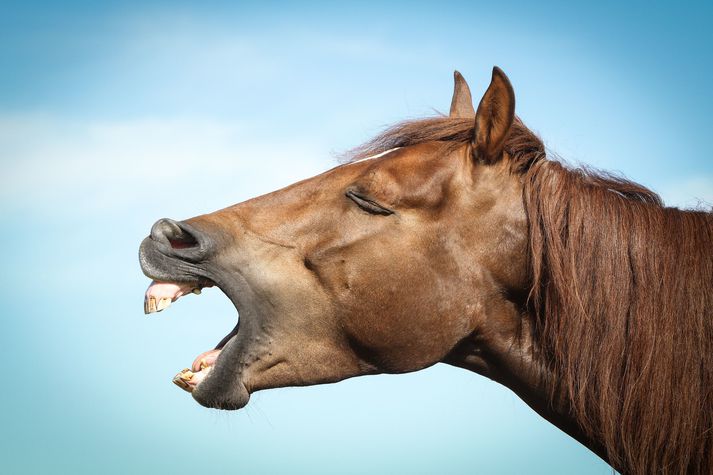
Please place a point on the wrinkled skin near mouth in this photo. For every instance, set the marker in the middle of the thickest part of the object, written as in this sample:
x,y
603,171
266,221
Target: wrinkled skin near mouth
x,y
176,256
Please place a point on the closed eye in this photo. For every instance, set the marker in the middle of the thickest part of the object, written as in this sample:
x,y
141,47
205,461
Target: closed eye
x,y
367,205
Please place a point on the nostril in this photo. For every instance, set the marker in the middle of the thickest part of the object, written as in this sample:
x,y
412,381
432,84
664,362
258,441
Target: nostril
x,y
168,230
183,242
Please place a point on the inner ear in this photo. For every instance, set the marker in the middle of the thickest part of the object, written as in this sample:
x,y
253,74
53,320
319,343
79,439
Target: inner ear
x,y
493,118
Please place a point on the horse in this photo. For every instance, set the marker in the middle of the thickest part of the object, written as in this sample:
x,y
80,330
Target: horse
x,y
456,239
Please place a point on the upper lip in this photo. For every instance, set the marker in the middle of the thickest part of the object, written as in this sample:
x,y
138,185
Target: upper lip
x,y
177,252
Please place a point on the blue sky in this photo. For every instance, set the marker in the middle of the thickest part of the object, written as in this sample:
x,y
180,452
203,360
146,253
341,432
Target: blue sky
x,y
113,115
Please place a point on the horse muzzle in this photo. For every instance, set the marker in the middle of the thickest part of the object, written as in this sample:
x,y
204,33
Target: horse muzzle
x,y
176,251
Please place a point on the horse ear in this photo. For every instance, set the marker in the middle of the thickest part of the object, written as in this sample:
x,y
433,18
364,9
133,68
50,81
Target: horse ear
x,y
494,117
462,103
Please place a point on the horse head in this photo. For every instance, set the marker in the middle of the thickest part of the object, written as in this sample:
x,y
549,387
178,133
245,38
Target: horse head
x,y
388,264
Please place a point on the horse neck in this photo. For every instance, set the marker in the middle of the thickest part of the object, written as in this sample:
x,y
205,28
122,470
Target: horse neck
x,y
508,359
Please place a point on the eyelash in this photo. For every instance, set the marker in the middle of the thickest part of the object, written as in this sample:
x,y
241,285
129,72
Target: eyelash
x,y
368,205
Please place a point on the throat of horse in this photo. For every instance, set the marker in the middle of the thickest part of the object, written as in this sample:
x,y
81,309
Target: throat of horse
x,y
505,355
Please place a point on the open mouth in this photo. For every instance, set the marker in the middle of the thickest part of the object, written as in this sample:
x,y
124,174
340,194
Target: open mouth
x,y
175,250
158,297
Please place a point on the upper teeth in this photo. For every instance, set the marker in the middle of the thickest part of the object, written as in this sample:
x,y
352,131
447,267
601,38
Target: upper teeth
x,y
163,303
151,306
160,296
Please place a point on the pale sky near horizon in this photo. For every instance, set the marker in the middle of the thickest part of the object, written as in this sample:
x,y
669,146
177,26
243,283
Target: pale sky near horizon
x,y
114,114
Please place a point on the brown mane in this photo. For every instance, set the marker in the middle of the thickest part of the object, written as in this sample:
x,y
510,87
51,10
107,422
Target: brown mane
x,y
522,145
621,298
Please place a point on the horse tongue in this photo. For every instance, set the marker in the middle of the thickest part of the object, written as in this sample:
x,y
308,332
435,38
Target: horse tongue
x,y
159,295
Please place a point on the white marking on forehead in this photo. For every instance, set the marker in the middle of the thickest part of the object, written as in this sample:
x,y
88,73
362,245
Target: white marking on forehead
x,y
377,155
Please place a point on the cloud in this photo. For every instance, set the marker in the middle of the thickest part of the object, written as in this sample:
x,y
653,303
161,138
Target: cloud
x,y
55,166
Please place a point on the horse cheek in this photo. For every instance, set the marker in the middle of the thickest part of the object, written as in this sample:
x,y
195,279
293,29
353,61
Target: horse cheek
x,y
393,320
